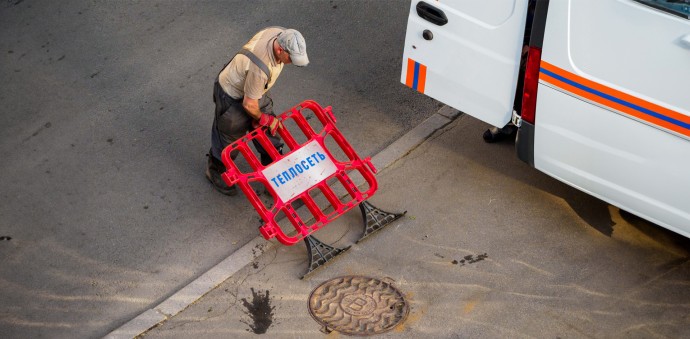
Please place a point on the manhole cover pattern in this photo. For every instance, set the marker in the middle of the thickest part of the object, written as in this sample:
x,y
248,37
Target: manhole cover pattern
x,y
357,305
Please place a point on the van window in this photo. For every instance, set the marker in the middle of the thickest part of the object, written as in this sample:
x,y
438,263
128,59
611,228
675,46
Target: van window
x,y
676,7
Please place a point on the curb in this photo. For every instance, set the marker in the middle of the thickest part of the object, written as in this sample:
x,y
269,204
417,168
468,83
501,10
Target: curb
x,y
195,290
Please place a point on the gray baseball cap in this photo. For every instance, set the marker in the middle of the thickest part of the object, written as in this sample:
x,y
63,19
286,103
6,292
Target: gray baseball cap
x,y
293,42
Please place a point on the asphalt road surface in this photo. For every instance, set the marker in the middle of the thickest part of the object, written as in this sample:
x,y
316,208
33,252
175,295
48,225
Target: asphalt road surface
x,y
105,113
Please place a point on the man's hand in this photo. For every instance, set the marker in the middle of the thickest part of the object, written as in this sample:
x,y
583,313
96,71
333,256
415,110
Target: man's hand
x,y
271,122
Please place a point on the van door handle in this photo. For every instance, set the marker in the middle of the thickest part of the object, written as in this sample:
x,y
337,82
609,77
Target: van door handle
x,y
431,14
685,41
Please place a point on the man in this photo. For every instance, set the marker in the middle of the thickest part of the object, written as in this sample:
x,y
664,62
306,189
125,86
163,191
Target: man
x,y
242,99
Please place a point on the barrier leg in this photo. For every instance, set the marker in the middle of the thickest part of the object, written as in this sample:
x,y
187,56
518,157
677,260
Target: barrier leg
x,y
320,253
375,218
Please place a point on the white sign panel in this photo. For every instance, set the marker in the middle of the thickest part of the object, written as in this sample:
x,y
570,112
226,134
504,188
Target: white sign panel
x,y
299,171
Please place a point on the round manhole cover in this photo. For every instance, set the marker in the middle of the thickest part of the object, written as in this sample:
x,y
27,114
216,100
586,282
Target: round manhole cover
x,y
356,305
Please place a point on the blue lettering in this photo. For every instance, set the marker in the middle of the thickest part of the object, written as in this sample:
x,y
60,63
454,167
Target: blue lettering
x,y
299,168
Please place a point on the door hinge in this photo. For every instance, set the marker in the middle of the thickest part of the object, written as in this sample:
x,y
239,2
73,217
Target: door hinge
x,y
516,119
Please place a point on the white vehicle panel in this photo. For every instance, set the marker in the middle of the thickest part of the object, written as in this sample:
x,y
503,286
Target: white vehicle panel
x,y
631,55
632,47
646,178
472,62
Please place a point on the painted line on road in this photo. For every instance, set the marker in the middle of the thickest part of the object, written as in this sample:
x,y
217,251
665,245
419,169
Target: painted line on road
x,y
209,280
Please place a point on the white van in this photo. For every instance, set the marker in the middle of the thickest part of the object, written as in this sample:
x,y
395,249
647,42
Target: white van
x,y
606,101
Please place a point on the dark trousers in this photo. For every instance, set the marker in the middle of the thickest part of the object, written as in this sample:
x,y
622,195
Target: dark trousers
x,y
231,123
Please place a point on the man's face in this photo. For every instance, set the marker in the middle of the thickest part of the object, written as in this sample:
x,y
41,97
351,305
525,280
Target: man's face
x,y
283,56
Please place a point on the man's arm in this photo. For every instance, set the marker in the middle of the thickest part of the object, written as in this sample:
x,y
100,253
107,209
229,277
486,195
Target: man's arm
x,y
253,86
251,106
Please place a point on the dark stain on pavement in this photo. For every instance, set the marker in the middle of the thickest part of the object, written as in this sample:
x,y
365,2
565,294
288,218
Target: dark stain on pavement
x,y
260,311
470,259
45,126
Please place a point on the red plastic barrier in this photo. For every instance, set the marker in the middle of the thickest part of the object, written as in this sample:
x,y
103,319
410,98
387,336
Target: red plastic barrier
x,y
307,169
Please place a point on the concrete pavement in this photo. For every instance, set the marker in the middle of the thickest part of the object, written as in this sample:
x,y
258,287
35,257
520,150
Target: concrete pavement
x,y
487,249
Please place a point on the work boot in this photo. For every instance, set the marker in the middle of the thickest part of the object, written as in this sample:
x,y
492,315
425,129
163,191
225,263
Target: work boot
x,y
213,173
495,134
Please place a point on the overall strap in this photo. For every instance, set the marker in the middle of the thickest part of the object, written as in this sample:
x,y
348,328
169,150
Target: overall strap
x,y
262,66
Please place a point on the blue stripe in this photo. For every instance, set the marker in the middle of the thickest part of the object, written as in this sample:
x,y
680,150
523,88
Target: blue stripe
x,y
416,75
614,99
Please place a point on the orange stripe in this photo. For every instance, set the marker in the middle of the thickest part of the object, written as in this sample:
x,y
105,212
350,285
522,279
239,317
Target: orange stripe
x,y
421,81
410,73
613,104
615,93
